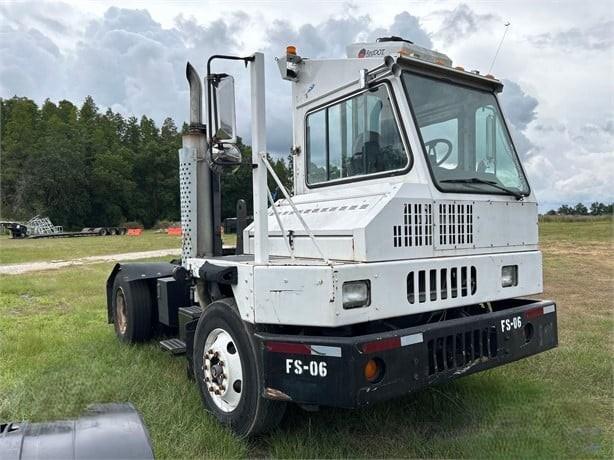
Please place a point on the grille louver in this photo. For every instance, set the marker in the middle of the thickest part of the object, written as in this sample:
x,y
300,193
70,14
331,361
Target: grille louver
x,y
460,350
441,284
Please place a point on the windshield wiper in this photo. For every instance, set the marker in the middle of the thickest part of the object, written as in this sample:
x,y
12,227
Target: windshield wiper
x,y
477,180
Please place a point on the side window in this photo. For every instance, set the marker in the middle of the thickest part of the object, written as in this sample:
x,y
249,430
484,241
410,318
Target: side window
x,y
493,154
316,146
355,137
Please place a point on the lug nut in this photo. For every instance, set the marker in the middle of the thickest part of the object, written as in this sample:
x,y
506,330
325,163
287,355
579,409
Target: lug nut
x,y
211,389
217,392
206,379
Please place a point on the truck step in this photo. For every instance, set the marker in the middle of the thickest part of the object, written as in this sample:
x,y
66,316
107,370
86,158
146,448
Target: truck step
x,y
173,346
192,312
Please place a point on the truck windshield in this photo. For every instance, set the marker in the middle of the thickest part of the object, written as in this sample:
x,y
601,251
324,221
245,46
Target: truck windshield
x,y
465,139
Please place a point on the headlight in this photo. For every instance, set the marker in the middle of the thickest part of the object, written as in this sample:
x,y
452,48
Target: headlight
x,y
356,294
509,275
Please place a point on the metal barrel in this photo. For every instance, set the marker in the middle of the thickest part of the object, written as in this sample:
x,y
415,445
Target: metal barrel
x,y
113,430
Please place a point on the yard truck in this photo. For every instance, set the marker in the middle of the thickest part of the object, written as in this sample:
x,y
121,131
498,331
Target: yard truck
x,y
405,256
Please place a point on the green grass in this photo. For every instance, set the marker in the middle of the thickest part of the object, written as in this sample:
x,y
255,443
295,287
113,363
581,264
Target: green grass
x,y
596,230
57,355
27,250
14,251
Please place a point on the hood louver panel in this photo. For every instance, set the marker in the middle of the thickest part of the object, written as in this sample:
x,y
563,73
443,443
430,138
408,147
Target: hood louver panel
x,y
417,228
451,226
454,227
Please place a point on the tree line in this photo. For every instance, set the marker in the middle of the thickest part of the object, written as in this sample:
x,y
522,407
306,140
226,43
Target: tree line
x,y
84,168
596,209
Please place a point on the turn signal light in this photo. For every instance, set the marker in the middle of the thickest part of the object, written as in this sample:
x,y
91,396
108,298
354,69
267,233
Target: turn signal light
x,y
372,370
291,49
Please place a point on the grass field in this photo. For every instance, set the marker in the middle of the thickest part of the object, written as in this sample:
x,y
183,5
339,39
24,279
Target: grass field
x,y
14,251
57,354
26,250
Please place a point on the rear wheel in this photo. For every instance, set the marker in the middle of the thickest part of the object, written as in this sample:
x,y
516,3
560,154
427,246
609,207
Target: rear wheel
x,y
226,367
132,311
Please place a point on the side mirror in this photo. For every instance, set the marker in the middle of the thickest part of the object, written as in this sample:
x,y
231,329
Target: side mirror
x,y
491,136
222,157
225,125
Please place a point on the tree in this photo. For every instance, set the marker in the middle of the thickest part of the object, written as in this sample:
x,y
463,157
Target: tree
x,y
83,168
55,183
20,123
580,210
565,210
598,209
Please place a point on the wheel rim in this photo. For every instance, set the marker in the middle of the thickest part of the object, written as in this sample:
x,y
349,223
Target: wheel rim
x,y
121,314
223,373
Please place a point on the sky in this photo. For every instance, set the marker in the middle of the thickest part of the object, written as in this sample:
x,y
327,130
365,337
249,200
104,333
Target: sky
x,y
556,62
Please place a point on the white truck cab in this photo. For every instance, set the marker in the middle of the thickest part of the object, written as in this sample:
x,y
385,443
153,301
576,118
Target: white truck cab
x,y
404,256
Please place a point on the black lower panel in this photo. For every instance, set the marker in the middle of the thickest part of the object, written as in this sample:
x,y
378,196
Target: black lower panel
x,y
329,371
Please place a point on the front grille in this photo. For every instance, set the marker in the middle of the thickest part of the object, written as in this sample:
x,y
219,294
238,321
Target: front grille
x,y
456,351
441,284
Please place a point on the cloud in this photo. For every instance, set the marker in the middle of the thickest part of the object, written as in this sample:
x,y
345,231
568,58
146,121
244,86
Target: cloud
x,y
564,162
127,58
326,39
29,60
461,22
406,26
128,61
572,164
597,36
519,110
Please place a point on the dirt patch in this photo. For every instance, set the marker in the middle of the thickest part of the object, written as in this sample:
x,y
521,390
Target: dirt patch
x,y
18,269
585,249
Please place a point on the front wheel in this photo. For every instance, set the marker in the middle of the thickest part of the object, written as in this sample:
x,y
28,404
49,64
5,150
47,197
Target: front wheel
x,y
226,368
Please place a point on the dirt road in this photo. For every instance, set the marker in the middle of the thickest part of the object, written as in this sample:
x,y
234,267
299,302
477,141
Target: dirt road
x,y
17,269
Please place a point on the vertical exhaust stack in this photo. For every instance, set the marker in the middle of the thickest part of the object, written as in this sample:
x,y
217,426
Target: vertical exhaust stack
x,y
195,179
196,96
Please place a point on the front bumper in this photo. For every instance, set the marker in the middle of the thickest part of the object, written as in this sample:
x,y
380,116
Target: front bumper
x,y
329,371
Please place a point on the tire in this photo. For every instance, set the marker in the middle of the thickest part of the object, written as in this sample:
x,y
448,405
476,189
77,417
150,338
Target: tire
x,y
246,412
102,232
132,311
112,231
